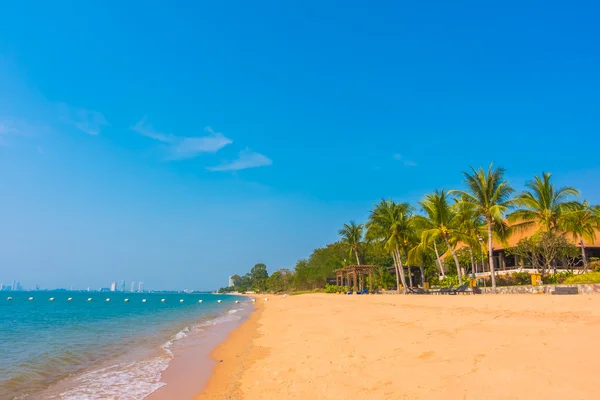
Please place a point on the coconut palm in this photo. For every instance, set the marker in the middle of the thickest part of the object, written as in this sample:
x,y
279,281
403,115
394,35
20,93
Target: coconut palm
x,y
542,204
488,195
390,223
471,227
440,222
581,221
352,235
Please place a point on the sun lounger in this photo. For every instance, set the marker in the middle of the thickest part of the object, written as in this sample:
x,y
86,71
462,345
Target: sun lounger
x,y
417,291
446,290
464,289
364,291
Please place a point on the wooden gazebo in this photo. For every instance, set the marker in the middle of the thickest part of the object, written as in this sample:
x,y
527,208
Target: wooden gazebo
x,y
354,276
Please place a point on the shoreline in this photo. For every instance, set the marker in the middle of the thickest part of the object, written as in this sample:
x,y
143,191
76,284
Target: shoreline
x,y
231,357
193,362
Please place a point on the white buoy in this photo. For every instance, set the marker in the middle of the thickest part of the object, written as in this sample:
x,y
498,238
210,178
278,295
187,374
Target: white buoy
x,y
162,300
181,301
30,299
9,298
143,300
89,299
266,299
199,301
126,300
108,299
69,299
51,299
218,301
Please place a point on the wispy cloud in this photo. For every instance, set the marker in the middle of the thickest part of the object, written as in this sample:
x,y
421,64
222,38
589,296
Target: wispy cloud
x,y
404,160
181,147
246,159
15,127
87,121
145,129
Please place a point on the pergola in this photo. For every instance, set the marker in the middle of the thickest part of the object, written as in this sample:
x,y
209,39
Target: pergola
x,y
356,273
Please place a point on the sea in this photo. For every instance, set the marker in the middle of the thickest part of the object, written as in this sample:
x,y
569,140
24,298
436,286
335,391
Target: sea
x,y
93,345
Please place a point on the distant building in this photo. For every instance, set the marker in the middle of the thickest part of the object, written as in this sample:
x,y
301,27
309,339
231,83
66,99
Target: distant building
x,y
230,282
140,287
1,287
14,285
113,287
105,289
37,287
123,285
132,286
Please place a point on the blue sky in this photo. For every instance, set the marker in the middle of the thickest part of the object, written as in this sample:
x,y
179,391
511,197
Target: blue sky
x,y
180,142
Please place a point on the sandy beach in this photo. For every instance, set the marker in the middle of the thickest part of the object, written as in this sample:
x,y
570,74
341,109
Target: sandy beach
x,y
412,347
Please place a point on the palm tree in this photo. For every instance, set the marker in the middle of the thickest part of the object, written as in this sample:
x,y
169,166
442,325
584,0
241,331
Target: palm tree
x,y
488,195
352,235
390,223
471,227
542,204
440,222
581,221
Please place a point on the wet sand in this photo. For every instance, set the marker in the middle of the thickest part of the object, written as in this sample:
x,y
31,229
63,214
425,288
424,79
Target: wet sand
x,y
412,347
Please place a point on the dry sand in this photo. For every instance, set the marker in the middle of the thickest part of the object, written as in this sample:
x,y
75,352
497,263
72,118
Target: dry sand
x,y
413,347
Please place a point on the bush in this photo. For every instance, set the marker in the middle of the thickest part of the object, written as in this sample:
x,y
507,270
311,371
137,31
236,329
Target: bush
x,y
449,280
591,277
334,289
557,278
521,278
594,264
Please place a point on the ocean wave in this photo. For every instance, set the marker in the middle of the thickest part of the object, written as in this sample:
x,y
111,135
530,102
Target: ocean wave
x,y
125,381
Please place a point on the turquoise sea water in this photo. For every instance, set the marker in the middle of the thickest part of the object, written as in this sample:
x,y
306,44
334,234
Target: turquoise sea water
x,y
102,346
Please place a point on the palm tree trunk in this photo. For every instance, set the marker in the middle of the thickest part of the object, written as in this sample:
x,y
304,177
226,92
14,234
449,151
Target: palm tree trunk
x,y
585,263
422,276
357,259
397,272
458,271
401,268
491,255
439,261
472,261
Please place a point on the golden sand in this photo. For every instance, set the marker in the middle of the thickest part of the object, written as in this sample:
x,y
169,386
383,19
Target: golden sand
x,y
413,347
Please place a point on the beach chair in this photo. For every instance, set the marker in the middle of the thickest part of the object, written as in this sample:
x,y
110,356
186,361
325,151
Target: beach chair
x,y
464,289
459,289
350,292
364,291
446,290
417,290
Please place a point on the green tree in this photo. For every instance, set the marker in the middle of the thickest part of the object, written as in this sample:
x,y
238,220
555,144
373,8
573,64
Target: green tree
x,y
488,195
259,276
471,226
352,235
542,204
280,280
581,222
440,222
390,223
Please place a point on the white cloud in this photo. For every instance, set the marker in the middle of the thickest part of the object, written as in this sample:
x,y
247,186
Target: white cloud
x,y
87,121
145,129
404,160
246,159
180,147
